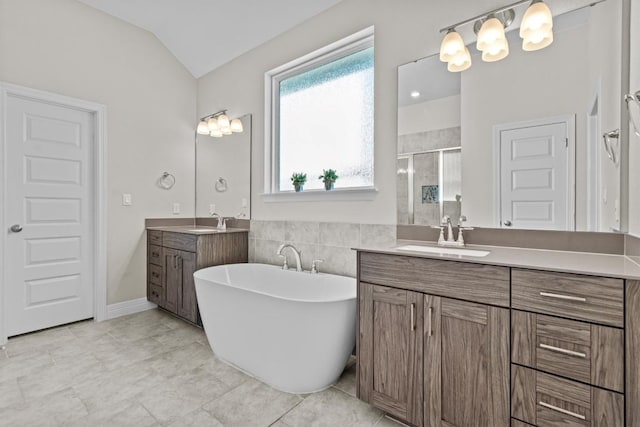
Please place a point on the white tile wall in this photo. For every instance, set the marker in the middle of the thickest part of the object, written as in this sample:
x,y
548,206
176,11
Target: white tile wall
x,y
329,241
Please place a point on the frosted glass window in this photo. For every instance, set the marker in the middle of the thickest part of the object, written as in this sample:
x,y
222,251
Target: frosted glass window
x,y
324,120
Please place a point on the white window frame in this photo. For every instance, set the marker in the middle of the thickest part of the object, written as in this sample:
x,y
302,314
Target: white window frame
x,y
356,42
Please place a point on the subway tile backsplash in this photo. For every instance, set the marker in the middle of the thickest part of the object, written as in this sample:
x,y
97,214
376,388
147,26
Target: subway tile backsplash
x,y
329,241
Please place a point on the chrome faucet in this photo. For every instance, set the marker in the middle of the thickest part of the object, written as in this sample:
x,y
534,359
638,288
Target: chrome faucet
x,y
446,221
222,225
450,241
296,254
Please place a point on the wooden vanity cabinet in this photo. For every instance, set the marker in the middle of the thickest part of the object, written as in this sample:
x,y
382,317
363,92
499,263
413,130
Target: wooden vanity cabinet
x,y
466,364
180,289
499,346
391,332
431,360
173,257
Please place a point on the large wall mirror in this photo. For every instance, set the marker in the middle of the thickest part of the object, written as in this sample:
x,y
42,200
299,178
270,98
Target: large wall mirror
x,y
223,174
518,143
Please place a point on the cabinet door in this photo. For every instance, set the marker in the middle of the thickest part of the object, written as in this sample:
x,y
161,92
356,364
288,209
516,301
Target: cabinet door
x,y
466,364
187,304
170,279
390,358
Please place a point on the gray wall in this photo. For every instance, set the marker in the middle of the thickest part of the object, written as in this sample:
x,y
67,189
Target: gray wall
x,y
66,47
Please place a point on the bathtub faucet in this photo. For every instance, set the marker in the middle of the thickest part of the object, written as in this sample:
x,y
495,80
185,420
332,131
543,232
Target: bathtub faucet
x,y
296,254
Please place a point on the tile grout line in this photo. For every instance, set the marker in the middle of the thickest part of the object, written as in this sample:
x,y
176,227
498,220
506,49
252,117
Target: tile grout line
x,y
290,409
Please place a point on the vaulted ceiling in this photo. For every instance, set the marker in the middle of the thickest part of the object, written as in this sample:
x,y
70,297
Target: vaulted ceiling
x,y
204,34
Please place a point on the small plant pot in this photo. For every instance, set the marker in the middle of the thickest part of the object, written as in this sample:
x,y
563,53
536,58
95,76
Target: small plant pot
x,y
298,187
328,185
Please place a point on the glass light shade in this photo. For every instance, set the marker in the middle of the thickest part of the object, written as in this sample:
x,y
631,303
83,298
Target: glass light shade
x,y
537,41
497,51
217,133
460,62
537,18
452,45
203,129
223,121
236,125
227,131
491,32
212,124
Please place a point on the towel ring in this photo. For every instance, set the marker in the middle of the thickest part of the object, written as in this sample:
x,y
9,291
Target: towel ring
x,y
633,105
167,181
221,185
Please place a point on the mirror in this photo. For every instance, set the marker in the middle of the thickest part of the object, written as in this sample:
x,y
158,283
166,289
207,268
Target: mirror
x,y
517,143
223,183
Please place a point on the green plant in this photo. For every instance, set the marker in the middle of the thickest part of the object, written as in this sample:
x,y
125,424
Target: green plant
x,y
298,178
328,175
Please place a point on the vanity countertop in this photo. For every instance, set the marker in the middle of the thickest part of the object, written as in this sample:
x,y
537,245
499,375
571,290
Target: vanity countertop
x,y
197,230
593,264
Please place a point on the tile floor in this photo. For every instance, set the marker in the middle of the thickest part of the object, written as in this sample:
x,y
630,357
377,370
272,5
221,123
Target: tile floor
x,y
150,369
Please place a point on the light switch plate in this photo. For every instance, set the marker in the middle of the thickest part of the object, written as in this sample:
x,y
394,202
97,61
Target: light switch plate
x,y
176,208
244,202
212,208
127,200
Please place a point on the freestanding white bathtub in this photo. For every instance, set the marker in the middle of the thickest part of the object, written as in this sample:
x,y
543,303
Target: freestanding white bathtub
x,y
294,331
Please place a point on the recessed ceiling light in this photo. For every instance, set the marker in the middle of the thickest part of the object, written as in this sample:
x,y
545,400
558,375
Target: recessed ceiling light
x,y
415,94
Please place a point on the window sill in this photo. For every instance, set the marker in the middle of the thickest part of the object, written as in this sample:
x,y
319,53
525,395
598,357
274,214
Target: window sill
x,y
339,194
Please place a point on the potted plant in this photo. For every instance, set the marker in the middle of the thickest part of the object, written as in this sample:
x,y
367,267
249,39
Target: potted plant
x,y
298,180
329,178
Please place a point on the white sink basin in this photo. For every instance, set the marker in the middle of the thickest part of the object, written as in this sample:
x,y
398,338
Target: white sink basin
x,y
204,230
443,250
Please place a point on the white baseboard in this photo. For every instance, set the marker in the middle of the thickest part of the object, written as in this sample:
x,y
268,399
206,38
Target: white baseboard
x,y
128,307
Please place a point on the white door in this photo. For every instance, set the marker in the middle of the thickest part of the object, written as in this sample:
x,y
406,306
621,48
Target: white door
x,y
536,175
49,205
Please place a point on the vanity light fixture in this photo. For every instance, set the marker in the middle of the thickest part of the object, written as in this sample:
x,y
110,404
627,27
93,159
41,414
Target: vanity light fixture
x,y
536,31
536,28
223,121
212,124
460,62
203,129
218,125
236,126
492,40
452,45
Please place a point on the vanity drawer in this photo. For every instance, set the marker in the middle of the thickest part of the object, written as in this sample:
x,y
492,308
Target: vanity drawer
x,y
155,255
545,400
480,283
180,241
155,274
154,237
594,299
155,294
589,353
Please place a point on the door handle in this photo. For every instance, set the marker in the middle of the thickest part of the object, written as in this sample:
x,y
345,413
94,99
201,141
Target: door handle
x,y
561,410
507,223
413,317
16,228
